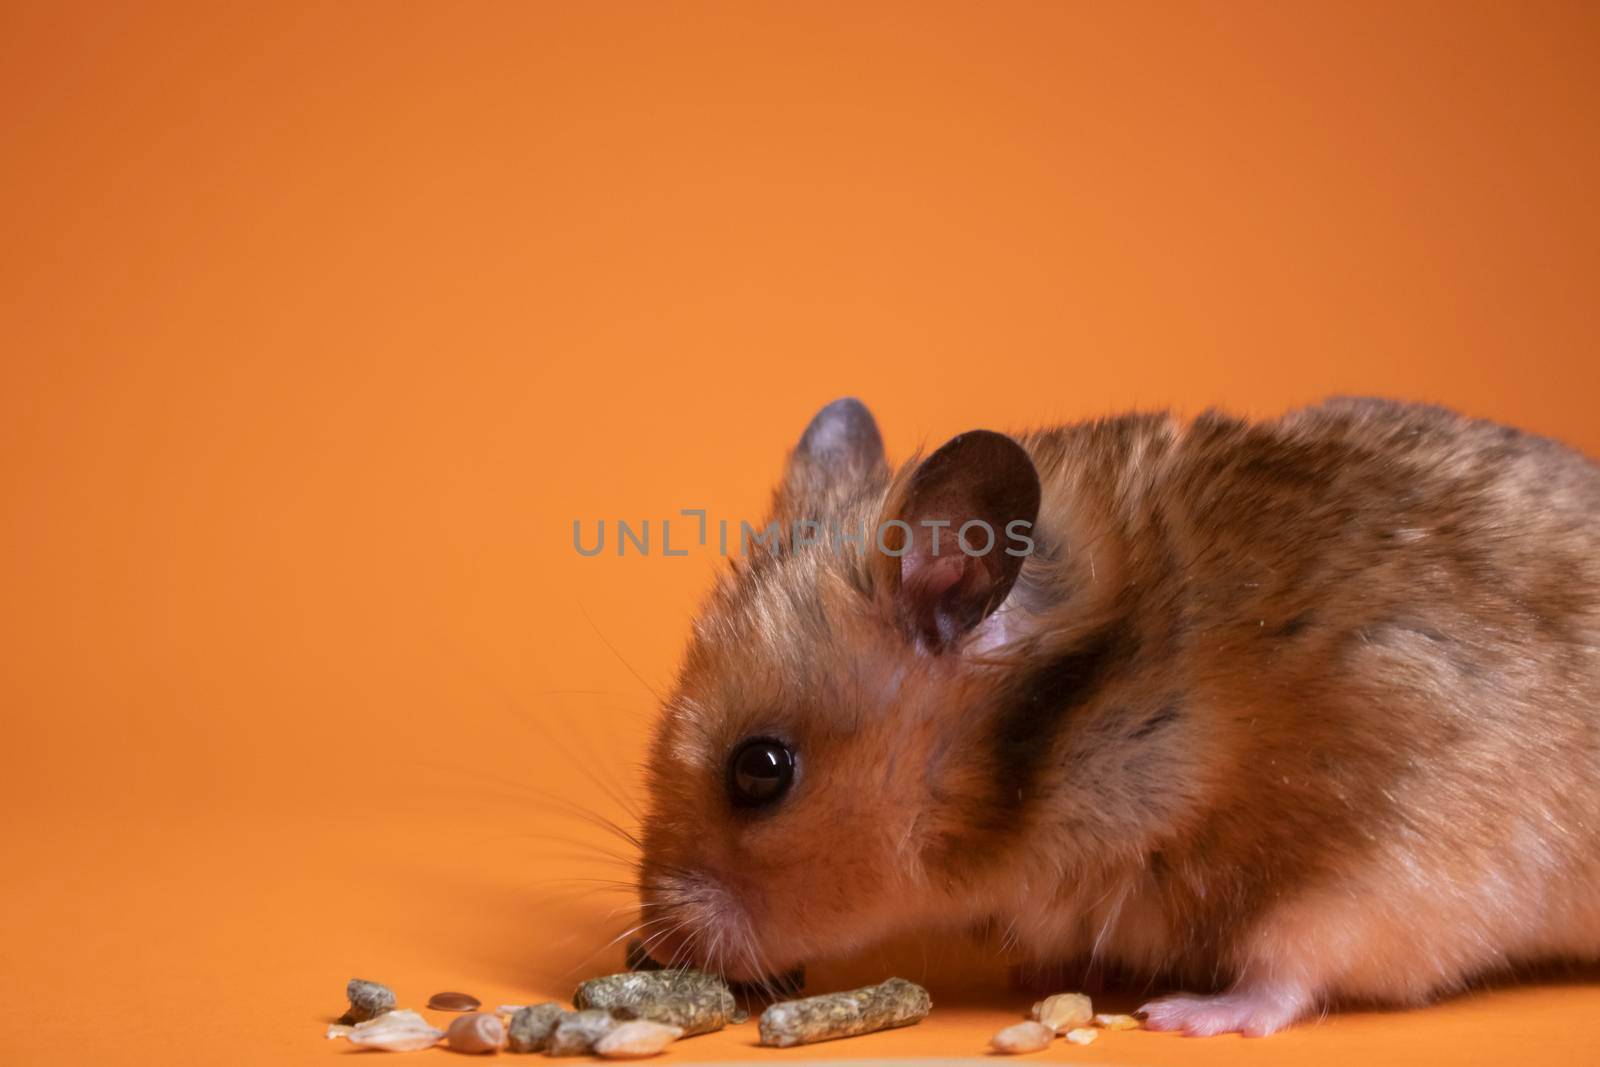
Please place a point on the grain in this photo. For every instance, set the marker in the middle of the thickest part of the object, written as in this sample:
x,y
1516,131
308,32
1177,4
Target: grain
x,y
636,1039
1022,1037
453,1002
692,1000
395,1031
368,1000
1064,1011
893,1003
1117,1022
475,1033
577,1031
1082,1036
532,1026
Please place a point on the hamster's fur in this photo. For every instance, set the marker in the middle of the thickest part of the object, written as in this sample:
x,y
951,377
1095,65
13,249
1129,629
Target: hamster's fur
x,y
1287,713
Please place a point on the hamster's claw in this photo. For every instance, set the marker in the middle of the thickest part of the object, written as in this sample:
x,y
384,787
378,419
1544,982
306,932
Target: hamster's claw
x,y
1252,1012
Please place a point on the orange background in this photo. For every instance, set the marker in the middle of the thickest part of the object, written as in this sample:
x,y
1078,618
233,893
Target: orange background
x,y
322,323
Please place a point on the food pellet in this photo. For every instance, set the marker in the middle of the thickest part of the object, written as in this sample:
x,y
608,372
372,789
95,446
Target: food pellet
x,y
1064,1011
1117,1022
532,1026
693,1000
453,1002
1023,1037
395,1031
476,1032
577,1031
368,1000
636,1039
1082,1036
889,1004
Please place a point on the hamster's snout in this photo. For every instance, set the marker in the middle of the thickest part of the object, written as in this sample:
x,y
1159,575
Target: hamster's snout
x,y
691,918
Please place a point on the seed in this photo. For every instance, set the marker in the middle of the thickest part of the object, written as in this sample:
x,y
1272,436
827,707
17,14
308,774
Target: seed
x,y
1022,1037
477,1032
368,1000
693,1000
1117,1022
395,1031
1064,1011
893,1003
531,1027
636,1039
577,1031
1080,1036
453,1002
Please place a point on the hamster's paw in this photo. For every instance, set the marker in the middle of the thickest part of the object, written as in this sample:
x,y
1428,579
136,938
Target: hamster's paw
x,y
1253,1012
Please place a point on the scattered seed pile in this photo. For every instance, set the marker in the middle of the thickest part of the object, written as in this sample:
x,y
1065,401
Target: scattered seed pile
x,y
640,1012
1067,1015
620,1016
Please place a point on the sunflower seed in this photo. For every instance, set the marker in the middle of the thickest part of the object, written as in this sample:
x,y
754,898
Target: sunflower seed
x,y
453,1002
889,1004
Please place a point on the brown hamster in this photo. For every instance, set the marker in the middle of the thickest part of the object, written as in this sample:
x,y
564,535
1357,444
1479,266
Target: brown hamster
x,y
1289,713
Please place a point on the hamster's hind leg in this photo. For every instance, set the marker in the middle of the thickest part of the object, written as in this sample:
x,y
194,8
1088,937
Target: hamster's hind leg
x,y
1399,931
1254,1010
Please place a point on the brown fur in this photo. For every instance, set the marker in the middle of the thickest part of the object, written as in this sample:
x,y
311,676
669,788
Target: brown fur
x,y
1304,709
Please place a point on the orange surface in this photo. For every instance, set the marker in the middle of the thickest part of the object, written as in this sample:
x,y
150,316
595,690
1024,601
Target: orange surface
x,y
322,323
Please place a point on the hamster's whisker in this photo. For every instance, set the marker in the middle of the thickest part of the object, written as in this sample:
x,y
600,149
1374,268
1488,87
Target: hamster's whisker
x,y
595,850
629,932
605,641
590,767
552,800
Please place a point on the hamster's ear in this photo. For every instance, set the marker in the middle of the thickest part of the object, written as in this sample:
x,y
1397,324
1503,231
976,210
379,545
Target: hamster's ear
x,y
840,450
943,584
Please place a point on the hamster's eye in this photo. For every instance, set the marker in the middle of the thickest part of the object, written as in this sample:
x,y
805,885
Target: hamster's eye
x,y
760,771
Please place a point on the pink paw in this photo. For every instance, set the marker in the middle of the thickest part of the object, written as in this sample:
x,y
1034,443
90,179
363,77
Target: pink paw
x,y
1253,1013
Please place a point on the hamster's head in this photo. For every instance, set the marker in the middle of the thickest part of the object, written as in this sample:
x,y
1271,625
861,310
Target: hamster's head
x,y
813,781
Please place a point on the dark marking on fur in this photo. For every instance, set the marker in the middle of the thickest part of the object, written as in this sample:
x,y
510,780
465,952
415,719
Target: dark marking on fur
x,y
1027,723
1294,627
1159,867
1165,715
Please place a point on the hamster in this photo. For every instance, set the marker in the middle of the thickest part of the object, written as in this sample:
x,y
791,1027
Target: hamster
x,y
1289,714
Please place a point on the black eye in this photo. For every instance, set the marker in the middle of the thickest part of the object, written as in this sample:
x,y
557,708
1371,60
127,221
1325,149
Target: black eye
x,y
760,771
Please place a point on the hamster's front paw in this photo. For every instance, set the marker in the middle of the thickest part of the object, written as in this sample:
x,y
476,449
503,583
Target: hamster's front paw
x,y
1254,1012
